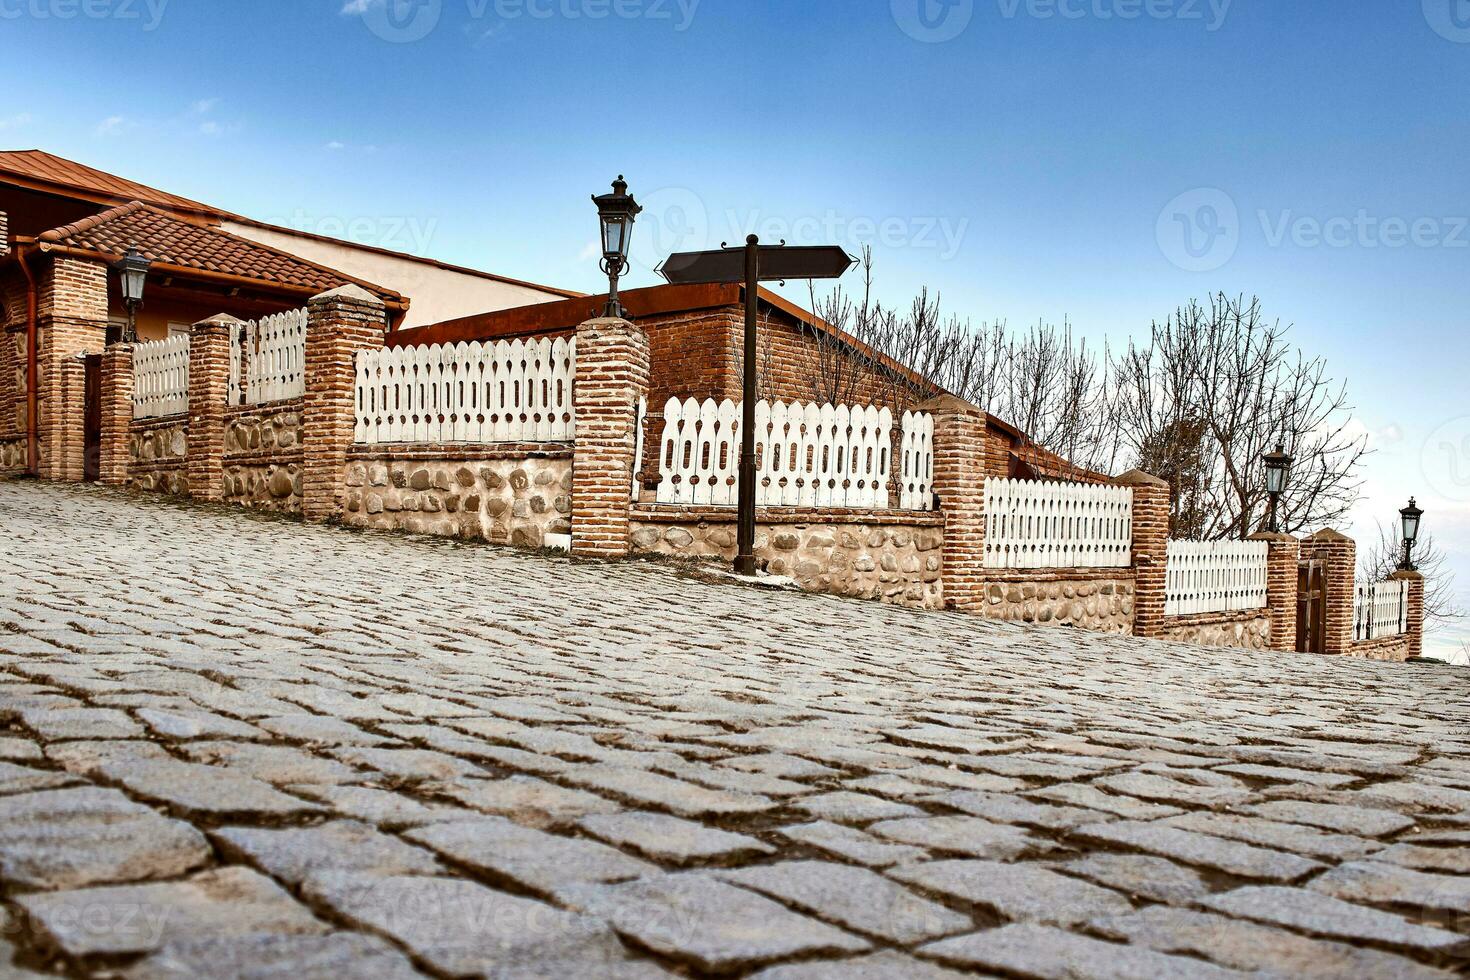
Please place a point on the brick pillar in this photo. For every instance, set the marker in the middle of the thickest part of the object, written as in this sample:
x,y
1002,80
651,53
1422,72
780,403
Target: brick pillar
x,y
339,323
117,414
959,482
1282,565
1341,555
209,390
1151,497
612,375
69,452
1415,632
71,319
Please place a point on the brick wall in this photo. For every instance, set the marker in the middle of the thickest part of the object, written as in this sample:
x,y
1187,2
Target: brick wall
x,y
612,375
117,414
1150,550
1341,556
209,388
959,482
72,319
339,323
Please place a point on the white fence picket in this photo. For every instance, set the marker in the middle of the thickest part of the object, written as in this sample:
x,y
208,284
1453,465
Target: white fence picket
x,y
1215,576
917,449
807,455
1034,524
161,377
495,391
271,355
1381,609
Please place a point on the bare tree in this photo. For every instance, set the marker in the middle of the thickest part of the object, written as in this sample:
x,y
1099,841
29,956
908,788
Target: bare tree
x,y
1381,557
1228,368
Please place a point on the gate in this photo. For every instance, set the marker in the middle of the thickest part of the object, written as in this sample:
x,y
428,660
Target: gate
x,y
92,419
1311,607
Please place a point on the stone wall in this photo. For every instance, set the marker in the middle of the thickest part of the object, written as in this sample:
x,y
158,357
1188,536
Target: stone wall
x,y
262,460
1245,630
1393,649
156,454
896,557
12,456
505,496
1097,599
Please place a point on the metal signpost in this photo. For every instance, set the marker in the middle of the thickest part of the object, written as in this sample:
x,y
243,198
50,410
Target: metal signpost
x,y
752,265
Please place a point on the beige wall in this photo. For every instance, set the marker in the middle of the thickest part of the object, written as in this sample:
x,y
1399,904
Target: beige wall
x,y
437,293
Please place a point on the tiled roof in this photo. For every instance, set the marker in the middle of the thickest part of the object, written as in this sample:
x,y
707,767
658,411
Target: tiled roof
x,y
49,168
163,238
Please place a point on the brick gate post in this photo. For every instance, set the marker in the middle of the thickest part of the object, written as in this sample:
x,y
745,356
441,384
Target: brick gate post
x,y
612,376
959,482
1151,498
1414,634
1282,564
1341,555
209,389
117,415
339,323
71,319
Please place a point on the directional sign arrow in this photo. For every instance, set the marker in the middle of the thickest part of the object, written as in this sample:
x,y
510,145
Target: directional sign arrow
x,y
777,262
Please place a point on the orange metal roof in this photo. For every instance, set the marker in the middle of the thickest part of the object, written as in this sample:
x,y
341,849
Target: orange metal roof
x,y
171,241
44,168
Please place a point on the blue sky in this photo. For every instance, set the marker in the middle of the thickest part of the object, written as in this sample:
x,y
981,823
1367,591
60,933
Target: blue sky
x,y
1027,158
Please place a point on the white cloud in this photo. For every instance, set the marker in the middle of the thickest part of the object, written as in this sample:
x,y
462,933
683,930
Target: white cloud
x,y
355,8
336,145
592,250
113,125
204,107
15,121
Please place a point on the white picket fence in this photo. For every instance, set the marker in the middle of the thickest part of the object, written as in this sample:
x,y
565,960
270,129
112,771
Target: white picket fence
x,y
807,455
1381,609
161,377
1215,576
496,391
916,457
270,354
1035,524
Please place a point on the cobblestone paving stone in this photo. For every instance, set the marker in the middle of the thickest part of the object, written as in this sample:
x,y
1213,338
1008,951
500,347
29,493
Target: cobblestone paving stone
x,y
232,745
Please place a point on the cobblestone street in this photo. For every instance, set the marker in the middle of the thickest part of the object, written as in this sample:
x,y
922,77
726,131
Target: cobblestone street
x,y
233,745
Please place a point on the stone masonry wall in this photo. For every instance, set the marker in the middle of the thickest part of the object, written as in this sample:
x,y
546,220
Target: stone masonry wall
x,y
12,456
262,459
1101,600
156,454
896,558
502,497
1245,630
1393,649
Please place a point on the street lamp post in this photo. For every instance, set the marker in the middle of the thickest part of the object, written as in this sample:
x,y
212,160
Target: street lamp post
x,y
132,272
1409,519
616,212
1278,471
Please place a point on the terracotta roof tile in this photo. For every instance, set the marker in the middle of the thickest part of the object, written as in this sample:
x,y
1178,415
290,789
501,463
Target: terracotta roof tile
x,y
163,238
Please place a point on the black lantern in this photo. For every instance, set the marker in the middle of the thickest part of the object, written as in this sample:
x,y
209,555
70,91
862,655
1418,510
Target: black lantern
x,y
1409,518
132,271
616,212
1278,471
